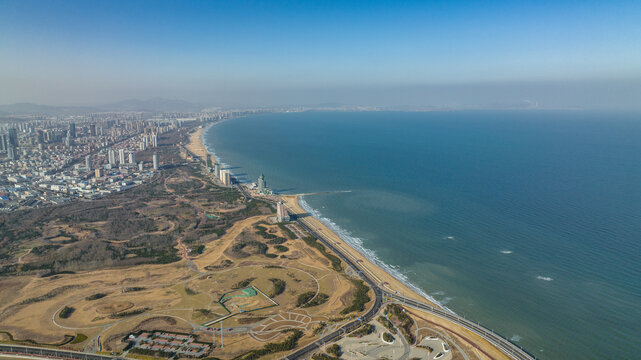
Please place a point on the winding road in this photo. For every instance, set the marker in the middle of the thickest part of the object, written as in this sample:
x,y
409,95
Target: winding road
x,y
502,343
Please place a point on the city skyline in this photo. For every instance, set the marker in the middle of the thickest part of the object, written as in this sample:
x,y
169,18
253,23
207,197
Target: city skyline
x,y
455,55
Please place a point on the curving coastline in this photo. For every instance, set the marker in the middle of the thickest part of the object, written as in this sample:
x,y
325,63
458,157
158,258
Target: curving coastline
x,y
391,279
385,278
356,244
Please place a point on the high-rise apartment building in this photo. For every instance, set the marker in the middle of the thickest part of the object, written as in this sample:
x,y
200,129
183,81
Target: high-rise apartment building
x,y
72,130
12,153
13,137
225,177
112,157
121,156
217,170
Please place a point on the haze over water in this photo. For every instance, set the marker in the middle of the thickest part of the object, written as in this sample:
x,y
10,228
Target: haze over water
x,y
527,222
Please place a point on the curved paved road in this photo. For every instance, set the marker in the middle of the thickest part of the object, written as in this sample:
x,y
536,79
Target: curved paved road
x,y
51,353
505,345
499,341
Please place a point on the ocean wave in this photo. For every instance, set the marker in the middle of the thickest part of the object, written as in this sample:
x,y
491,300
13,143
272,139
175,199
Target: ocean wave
x,y
544,278
211,150
516,337
506,252
446,300
357,244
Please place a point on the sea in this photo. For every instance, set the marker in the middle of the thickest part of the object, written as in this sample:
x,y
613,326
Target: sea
x,y
528,222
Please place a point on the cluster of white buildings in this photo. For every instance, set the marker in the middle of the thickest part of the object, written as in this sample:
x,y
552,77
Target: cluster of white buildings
x,y
224,175
51,161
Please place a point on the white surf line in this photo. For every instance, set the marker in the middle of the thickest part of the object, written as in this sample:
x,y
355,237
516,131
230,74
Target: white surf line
x,y
367,254
544,278
340,245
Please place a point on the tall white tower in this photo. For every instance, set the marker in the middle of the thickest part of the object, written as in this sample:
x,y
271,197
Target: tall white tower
x,y
121,156
225,177
112,157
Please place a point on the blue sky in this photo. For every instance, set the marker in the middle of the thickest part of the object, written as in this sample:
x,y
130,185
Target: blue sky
x,y
83,52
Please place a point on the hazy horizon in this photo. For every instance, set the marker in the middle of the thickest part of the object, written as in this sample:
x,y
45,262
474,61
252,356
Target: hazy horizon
x,y
455,55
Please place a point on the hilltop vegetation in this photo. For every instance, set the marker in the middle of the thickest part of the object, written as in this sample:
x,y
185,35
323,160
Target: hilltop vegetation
x,y
138,226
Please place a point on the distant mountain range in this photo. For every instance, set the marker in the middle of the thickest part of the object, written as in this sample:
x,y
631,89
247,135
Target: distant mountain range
x,y
150,105
154,105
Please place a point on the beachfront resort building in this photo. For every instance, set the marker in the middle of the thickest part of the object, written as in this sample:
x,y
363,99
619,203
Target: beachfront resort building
x,y
262,186
281,212
225,177
121,156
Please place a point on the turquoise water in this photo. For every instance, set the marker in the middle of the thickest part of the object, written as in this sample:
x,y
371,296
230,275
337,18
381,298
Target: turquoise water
x,y
528,222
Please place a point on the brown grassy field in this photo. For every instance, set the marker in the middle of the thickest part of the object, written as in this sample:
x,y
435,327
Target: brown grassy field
x,y
179,295
151,259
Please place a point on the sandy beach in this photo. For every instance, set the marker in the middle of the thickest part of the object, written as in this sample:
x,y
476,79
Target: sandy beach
x,y
196,144
383,278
